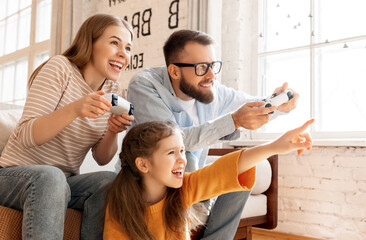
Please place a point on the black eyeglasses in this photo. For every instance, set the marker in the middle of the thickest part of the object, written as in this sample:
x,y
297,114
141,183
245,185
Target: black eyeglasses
x,y
202,68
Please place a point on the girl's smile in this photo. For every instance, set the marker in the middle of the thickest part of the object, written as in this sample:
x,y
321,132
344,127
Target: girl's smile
x,y
178,173
168,162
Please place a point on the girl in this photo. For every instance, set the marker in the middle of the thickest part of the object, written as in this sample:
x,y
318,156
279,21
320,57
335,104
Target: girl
x,y
150,196
64,116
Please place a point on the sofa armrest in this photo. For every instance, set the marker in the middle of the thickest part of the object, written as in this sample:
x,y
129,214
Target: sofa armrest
x,y
272,196
269,221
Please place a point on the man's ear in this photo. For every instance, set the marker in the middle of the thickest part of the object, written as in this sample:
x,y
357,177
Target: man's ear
x,y
174,71
142,164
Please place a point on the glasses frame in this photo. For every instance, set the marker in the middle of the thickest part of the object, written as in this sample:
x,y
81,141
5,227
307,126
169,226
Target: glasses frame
x,y
209,65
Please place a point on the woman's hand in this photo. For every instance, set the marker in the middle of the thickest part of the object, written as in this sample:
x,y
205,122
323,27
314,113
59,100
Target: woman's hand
x,y
295,139
92,105
119,123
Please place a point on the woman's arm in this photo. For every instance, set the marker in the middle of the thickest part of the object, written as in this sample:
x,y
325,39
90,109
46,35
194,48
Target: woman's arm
x,y
48,126
292,140
105,150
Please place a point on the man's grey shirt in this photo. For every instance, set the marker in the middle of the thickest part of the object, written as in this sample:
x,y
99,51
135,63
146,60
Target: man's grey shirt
x,y
153,97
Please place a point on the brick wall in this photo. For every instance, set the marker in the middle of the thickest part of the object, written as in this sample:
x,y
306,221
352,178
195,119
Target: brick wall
x,y
323,193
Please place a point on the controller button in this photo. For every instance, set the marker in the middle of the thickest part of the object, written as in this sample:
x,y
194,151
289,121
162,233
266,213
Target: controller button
x,y
290,95
131,110
114,101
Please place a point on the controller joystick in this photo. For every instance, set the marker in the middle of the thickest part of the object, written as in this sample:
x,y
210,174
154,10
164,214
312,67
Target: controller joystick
x,y
119,105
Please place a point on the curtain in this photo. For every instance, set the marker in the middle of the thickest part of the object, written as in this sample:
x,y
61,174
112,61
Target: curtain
x,y
65,23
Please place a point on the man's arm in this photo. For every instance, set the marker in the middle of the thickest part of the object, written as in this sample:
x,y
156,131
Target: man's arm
x,y
154,101
231,109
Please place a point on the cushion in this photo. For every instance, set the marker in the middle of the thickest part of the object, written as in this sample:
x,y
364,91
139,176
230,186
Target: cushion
x,y
263,175
255,206
11,224
8,121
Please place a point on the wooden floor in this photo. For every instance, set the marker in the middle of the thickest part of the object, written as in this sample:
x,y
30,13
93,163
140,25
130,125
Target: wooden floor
x,y
260,234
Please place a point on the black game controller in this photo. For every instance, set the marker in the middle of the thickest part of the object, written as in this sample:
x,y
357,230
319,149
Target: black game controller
x,y
119,105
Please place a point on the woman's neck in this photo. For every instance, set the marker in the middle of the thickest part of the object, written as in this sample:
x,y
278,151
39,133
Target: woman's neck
x,y
91,77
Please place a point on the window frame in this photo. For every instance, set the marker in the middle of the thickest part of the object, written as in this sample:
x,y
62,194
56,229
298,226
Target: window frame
x,y
30,52
330,138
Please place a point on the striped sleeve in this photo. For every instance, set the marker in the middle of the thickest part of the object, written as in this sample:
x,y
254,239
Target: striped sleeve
x,y
43,97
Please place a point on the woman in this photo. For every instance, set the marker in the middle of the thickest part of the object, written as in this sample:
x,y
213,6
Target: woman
x,y
64,116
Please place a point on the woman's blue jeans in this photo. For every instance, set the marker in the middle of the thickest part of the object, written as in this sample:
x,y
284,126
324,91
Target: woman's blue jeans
x,y
43,193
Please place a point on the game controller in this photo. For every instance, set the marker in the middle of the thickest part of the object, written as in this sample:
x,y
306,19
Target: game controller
x,y
119,105
278,99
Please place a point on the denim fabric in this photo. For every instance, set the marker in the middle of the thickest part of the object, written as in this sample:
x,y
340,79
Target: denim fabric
x,y
43,193
225,216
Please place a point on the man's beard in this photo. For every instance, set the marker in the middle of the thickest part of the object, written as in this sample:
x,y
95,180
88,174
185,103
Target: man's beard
x,y
192,92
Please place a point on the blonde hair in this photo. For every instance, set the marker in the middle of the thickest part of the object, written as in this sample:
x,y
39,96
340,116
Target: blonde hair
x,y
81,49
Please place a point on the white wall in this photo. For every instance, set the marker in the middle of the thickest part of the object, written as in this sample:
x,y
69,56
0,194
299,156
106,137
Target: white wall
x,y
153,22
238,44
323,193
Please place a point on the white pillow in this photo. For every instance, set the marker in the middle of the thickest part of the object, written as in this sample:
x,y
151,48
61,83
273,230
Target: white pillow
x,y
8,121
263,177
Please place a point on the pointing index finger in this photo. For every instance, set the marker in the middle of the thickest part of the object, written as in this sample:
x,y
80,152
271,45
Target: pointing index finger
x,y
305,125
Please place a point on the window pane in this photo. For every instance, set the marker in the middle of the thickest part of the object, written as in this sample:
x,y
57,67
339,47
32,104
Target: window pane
x,y
12,7
294,69
286,24
43,28
40,58
340,88
8,83
21,79
2,9
24,3
337,19
24,28
11,34
2,39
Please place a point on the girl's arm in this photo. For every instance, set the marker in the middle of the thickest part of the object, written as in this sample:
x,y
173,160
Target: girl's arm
x,y
292,140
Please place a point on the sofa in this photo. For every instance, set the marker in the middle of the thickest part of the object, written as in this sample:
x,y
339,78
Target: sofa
x,y
11,219
262,205
260,210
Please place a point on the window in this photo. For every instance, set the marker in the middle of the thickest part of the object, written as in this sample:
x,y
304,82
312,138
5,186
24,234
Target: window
x,y
25,28
319,48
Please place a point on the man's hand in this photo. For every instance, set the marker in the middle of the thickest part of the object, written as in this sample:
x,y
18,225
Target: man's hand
x,y
290,105
250,116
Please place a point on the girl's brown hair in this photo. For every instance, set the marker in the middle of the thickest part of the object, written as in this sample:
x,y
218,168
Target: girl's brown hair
x,y
124,200
81,49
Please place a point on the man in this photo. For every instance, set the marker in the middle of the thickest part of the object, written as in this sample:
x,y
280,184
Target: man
x,y
186,92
